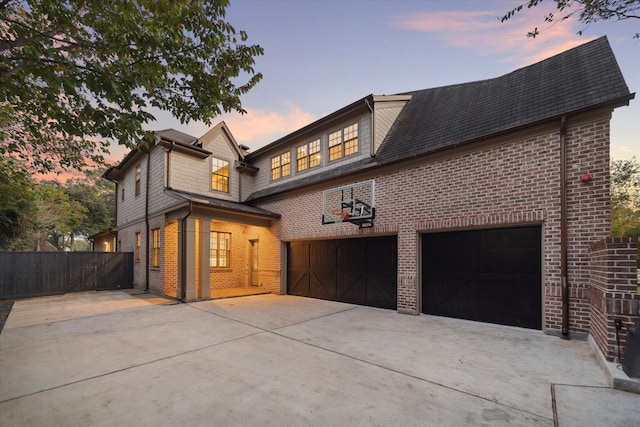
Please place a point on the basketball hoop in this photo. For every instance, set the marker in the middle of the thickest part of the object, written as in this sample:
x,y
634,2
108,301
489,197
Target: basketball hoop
x,y
340,215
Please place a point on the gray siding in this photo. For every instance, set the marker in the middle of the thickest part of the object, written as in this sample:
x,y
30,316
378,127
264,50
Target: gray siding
x,y
385,114
263,179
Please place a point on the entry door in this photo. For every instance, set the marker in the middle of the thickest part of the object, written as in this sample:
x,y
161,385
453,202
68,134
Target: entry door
x,y
253,263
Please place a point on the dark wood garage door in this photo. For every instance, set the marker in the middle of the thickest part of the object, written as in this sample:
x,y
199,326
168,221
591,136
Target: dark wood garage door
x,y
358,271
485,275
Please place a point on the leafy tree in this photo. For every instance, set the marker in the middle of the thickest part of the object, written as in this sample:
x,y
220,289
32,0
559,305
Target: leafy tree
x,y
625,197
77,73
57,216
97,196
588,11
17,205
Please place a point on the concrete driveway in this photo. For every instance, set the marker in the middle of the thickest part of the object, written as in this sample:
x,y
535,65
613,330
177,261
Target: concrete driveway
x,y
114,359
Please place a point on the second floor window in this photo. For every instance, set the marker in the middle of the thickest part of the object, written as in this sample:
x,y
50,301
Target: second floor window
x,y
281,165
343,142
137,180
220,175
308,155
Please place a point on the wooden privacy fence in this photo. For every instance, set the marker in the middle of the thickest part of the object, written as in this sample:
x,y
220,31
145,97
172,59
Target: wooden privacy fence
x,y
29,274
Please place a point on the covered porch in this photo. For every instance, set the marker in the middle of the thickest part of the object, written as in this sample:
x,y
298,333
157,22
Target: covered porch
x,y
219,249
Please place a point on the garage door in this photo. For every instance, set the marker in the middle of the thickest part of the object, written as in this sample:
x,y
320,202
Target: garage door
x,y
485,275
358,271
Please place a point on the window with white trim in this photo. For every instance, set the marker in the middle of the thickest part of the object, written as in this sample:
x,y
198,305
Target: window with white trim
x,y
138,174
220,249
281,166
308,155
137,248
343,142
219,175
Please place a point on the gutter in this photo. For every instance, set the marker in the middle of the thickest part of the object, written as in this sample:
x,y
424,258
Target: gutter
x,y
563,227
173,144
146,219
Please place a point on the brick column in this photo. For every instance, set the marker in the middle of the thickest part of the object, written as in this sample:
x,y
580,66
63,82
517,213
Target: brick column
x,y
614,295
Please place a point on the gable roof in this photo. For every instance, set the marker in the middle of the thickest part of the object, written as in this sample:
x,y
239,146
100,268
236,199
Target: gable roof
x,y
583,78
163,137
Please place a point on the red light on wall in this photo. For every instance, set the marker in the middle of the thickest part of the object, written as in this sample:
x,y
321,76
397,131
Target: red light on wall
x,y
586,177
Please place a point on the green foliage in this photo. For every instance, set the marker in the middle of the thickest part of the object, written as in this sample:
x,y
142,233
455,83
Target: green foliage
x,y
17,205
57,216
77,73
32,214
625,197
588,11
97,196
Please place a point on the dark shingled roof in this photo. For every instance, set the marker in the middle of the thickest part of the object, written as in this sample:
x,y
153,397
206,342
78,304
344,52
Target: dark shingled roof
x,y
175,136
222,204
578,79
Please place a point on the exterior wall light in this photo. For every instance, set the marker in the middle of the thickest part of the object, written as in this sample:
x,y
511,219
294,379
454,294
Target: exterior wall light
x,y
586,177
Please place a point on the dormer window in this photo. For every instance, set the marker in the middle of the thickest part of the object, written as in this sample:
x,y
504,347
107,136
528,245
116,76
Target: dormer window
x,y
281,166
343,142
219,175
308,155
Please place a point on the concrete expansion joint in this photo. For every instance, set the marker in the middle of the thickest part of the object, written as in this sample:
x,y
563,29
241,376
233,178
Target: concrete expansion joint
x,y
408,375
267,329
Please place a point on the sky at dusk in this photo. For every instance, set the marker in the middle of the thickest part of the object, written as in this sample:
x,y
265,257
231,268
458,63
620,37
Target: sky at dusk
x,y
320,56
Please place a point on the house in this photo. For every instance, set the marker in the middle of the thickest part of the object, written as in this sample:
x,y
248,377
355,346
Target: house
x,y
478,201
103,241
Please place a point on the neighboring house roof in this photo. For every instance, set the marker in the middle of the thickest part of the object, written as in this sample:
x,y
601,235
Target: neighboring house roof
x,y
221,204
583,78
101,234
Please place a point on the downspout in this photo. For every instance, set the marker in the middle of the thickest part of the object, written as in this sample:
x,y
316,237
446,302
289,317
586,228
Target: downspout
x,y
183,257
563,227
173,144
146,220
372,139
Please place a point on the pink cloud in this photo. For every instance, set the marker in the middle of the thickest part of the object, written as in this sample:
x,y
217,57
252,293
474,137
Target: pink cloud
x,y
482,32
257,128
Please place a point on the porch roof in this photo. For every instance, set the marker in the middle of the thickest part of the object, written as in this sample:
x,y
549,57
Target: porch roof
x,y
227,206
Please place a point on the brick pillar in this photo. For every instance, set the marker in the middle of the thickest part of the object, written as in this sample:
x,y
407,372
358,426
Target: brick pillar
x,y
190,260
614,295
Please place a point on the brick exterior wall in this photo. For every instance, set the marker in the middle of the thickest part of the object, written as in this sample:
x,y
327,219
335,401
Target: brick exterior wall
x,y
614,296
506,182
170,261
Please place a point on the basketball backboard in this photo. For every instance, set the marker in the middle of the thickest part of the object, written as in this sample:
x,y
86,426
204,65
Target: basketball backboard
x,y
354,203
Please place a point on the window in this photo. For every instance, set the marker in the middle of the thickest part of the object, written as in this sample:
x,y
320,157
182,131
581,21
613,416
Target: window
x,y
343,142
137,180
155,247
220,250
137,249
281,165
122,190
219,175
308,155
